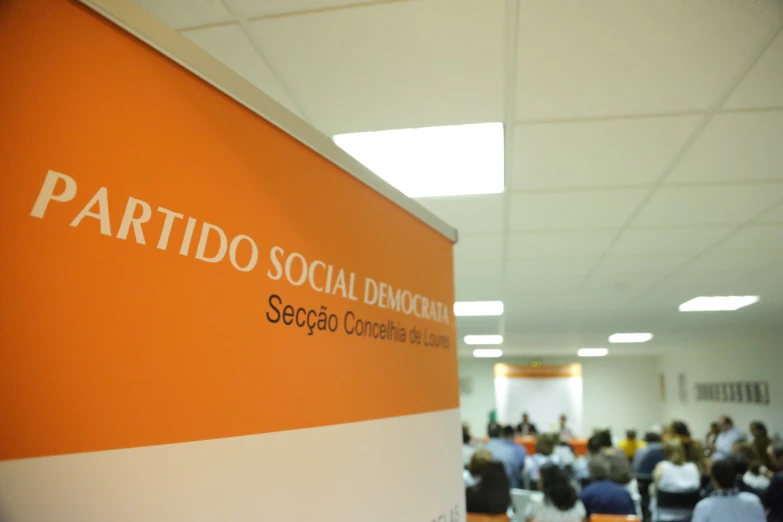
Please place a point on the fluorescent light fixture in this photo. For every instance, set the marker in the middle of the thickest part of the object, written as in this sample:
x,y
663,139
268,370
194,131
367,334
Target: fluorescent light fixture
x,y
488,353
592,352
630,337
718,303
454,160
478,308
483,339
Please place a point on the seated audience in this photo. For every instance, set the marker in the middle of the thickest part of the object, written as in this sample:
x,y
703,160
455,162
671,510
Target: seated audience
x,y
712,435
581,466
603,495
727,504
566,433
761,441
526,428
478,462
673,475
503,448
726,438
750,476
545,447
619,468
648,457
630,444
773,497
467,447
560,503
491,494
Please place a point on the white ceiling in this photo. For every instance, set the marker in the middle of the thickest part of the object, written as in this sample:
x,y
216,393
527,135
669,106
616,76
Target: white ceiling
x,y
644,159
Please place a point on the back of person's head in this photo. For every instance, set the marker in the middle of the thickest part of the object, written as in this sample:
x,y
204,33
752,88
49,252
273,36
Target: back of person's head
x,y
598,467
680,429
726,421
545,444
495,487
594,445
746,458
652,437
724,473
494,430
479,462
465,435
605,439
507,432
674,451
630,434
758,428
556,487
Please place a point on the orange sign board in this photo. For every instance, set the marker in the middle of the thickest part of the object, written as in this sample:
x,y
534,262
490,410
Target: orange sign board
x,y
176,268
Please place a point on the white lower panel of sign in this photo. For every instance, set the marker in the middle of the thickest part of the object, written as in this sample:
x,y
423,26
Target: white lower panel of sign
x,y
403,469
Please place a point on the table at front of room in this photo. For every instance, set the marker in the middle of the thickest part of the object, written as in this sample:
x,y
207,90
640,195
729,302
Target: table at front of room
x,y
529,443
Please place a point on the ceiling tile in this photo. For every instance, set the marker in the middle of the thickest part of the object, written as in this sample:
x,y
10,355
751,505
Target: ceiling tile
x,y
187,13
763,86
477,279
547,268
469,214
774,215
596,153
392,65
620,264
755,238
669,240
708,204
250,8
735,261
479,246
577,210
588,244
611,57
735,147
229,44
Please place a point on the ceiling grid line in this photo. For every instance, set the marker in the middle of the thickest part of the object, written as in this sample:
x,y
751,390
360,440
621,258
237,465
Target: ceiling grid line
x,y
243,25
707,117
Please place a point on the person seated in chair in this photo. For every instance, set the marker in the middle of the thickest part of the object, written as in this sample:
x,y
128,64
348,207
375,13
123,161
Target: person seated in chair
x,y
674,475
603,495
491,495
773,497
503,449
728,504
560,503
526,428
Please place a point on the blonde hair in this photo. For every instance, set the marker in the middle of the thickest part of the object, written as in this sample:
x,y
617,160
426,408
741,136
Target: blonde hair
x,y
674,451
545,444
479,462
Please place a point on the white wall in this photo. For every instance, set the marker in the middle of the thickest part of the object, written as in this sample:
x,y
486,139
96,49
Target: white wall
x,y
619,393
746,361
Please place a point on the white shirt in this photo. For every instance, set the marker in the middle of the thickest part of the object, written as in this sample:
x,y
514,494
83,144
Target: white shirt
x,y
679,479
725,441
745,507
544,512
759,482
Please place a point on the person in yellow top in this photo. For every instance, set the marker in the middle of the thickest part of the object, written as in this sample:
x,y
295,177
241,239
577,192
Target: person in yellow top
x,y
630,444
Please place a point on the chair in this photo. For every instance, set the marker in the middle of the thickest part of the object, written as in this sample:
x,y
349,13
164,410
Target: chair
x,y
522,500
686,500
614,518
476,517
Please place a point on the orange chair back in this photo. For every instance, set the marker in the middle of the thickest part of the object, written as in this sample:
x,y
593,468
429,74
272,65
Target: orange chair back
x,y
614,518
475,517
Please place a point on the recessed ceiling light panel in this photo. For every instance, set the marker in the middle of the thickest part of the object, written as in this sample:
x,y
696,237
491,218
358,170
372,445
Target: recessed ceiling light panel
x,y
483,339
630,337
454,160
478,308
718,303
592,352
489,353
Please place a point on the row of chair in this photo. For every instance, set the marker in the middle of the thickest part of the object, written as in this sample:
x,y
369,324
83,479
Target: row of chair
x,y
594,518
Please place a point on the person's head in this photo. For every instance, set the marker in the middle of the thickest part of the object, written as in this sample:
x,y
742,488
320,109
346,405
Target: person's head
x,y
724,474
479,462
605,439
746,457
563,421
680,429
525,418
594,445
557,489
674,451
725,423
465,434
507,433
775,452
545,445
652,437
630,434
758,429
714,428
598,467
494,430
